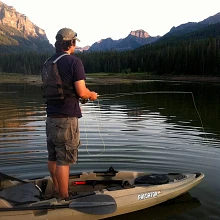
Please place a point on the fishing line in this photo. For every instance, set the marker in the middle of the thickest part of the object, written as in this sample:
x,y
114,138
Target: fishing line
x,y
170,92
99,131
118,95
164,92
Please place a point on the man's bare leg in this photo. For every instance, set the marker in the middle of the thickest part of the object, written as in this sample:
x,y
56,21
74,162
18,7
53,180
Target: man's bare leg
x,y
62,176
52,165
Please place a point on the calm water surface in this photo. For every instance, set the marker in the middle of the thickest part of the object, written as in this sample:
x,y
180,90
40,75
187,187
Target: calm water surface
x,y
153,126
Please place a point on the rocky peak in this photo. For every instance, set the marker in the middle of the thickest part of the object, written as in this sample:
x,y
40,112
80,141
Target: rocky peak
x,y
140,33
106,40
10,17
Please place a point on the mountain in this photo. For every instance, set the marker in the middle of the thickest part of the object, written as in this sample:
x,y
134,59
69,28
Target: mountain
x,y
18,33
190,29
134,40
81,49
103,45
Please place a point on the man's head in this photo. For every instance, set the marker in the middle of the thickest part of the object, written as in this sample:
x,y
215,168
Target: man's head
x,y
65,39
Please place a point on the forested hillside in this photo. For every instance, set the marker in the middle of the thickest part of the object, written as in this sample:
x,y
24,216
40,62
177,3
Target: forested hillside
x,y
188,49
23,63
194,57
196,53
190,57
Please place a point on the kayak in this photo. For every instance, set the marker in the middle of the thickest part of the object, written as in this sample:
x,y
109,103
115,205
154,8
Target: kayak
x,y
93,194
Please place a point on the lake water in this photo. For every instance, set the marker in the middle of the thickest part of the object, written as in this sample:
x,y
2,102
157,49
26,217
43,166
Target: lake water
x,y
154,126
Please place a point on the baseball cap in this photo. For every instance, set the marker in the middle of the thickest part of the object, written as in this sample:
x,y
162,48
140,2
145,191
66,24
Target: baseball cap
x,y
66,34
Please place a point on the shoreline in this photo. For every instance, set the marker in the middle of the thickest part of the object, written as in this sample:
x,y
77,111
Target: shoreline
x,y
105,79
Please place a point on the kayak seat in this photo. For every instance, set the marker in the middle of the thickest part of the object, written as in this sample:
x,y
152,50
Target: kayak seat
x,y
20,194
152,179
47,188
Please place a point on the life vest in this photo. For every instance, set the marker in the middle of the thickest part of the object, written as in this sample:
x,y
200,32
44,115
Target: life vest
x,y
54,89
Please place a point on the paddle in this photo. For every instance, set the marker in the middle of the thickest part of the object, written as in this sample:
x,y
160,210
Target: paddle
x,y
5,176
95,204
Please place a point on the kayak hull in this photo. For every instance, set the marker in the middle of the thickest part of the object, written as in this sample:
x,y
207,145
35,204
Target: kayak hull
x,y
141,197
133,197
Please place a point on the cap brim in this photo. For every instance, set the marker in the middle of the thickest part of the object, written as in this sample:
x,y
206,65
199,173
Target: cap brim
x,y
77,39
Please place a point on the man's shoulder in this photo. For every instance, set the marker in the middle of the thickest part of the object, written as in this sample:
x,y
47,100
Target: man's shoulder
x,y
74,61
73,57
68,59
54,57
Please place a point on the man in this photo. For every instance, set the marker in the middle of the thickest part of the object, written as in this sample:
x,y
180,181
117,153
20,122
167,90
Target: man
x,y
62,117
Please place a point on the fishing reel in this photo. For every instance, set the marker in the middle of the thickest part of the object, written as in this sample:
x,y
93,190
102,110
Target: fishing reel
x,y
83,101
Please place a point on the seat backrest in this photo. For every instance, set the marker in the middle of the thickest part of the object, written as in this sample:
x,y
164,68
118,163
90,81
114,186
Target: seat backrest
x,y
21,193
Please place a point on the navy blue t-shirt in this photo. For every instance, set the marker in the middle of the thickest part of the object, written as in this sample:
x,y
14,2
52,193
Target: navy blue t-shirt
x,y
71,70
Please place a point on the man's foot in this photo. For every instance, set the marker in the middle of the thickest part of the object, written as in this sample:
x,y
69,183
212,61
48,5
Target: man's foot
x,y
55,194
71,196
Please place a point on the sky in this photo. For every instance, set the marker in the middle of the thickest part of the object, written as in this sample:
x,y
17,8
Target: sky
x,y
94,20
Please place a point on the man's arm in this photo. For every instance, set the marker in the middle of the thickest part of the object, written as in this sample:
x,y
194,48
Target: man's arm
x,y
83,92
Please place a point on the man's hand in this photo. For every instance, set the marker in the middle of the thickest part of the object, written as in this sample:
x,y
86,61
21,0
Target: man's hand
x,y
83,92
93,96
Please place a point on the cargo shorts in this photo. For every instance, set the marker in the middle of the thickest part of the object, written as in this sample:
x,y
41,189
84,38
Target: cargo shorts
x,y
62,140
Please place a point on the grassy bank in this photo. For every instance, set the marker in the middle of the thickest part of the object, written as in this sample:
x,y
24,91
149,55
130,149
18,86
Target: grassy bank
x,y
19,78
106,78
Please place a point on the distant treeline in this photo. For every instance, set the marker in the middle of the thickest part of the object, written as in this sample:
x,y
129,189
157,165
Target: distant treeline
x,y
186,57
24,62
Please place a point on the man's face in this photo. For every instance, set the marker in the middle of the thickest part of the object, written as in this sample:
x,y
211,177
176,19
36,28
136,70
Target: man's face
x,y
73,48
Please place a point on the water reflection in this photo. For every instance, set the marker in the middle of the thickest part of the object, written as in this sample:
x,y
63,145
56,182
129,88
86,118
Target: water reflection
x,y
165,120
167,210
130,127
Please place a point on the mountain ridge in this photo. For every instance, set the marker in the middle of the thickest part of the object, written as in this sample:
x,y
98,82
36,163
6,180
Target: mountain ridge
x,y
18,33
190,27
133,40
